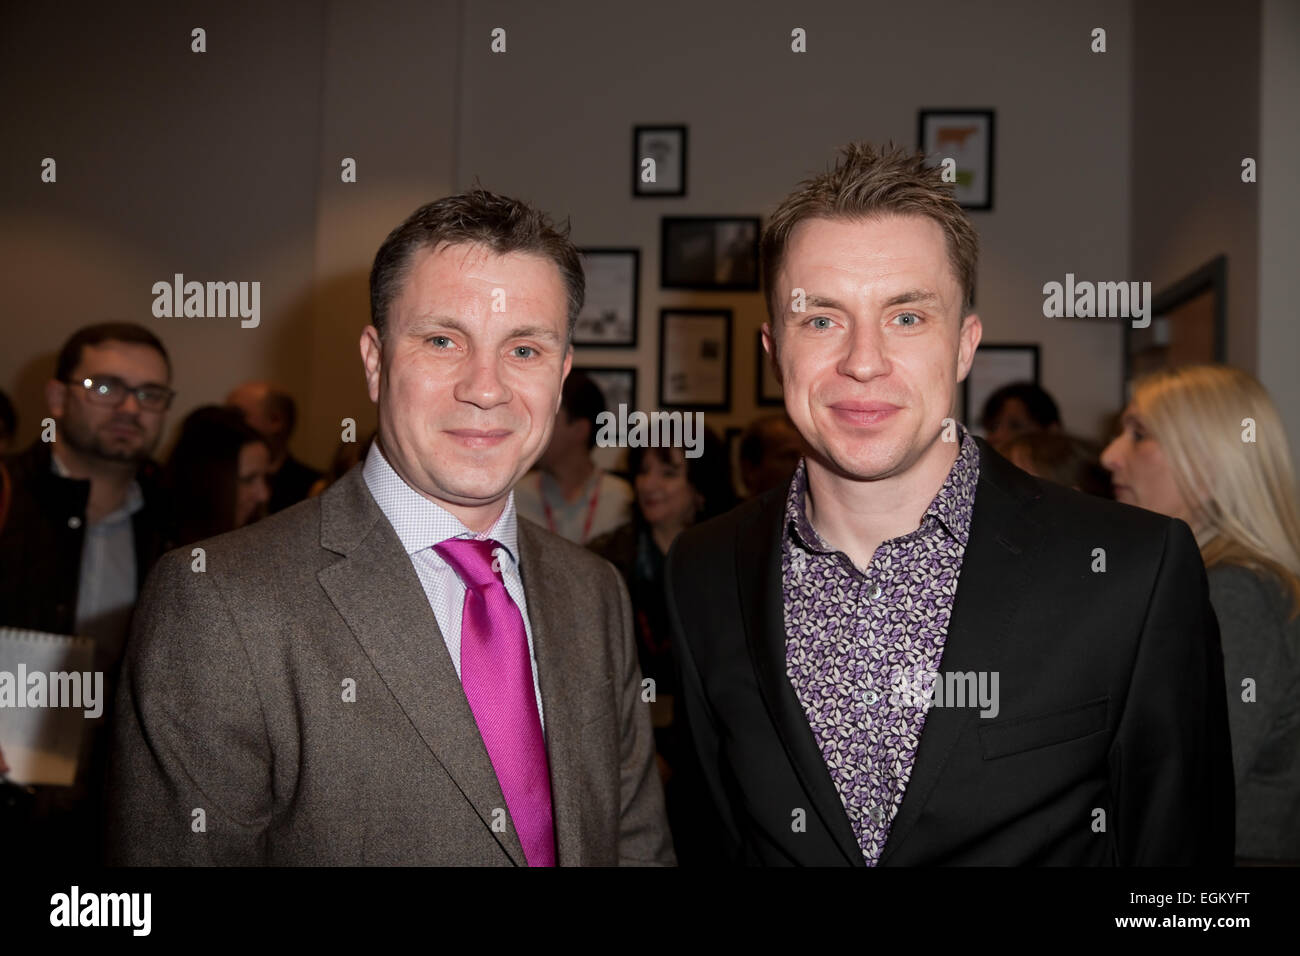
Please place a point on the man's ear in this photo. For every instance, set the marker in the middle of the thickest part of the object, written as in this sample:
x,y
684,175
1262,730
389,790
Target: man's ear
x,y
968,340
56,397
769,346
372,360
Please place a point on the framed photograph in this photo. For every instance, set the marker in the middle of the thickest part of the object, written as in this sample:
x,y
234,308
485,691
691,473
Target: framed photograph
x,y
659,161
965,136
1187,325
767,387
695,359
618,385
709,253
993,367
609,314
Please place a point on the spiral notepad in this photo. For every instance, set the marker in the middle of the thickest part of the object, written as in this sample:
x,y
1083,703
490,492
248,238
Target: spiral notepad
x,y
42,743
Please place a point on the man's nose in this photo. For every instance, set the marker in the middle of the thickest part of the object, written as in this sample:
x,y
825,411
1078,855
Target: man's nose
x,y
482,383
866,357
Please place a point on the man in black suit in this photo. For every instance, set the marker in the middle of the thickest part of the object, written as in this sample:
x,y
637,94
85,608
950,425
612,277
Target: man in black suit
x,y
916,653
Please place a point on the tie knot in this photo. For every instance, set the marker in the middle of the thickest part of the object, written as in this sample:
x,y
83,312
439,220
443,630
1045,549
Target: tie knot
x,y
472,559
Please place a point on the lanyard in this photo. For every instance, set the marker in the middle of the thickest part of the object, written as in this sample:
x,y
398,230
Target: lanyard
x,y
591,512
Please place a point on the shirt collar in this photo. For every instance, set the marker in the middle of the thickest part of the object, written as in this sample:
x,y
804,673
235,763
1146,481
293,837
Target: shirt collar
x,y
420,523
952,507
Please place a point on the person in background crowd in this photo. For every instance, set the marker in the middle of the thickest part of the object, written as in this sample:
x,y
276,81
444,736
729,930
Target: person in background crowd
x,y
84,526
272,412
347,454
8,423
567,494
1064,459
1185,452
673,492
770,449
217,478
1016,409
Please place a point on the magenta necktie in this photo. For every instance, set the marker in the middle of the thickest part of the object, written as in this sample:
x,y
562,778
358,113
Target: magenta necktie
x,y
497,675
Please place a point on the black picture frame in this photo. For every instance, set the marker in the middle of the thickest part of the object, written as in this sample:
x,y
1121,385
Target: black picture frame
x,y
762,365
669,397
1210,278
668,132
600,375
690,257
928,119
1030,351
587,325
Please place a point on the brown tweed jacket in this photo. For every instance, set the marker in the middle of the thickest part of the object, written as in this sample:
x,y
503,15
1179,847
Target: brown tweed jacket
x,y
239,740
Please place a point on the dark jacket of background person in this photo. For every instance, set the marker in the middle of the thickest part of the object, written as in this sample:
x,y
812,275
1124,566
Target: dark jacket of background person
x,y
40,544
1259,643
1110,693
40,573
291,484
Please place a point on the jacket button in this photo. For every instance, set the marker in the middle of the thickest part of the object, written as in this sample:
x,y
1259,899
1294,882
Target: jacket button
x,y
74,522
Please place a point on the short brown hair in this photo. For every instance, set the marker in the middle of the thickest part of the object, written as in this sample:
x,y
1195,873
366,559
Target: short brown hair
x,y
502,224
867,182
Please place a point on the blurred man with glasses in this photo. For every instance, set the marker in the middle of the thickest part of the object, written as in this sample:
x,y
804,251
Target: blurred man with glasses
x,y
84,526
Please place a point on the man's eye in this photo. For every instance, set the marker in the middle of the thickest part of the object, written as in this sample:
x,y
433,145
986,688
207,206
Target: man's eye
x,y
441,341
525,348
822,319
911,315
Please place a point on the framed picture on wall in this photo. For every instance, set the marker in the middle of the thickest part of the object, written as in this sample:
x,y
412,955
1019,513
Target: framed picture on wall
x,y
993,367
658,161
1187,324
966,138
708,253
767,387
695,359
618,385
609,312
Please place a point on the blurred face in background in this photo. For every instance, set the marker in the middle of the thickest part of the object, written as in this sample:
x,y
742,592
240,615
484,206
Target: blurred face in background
x,y
468,394
568,441
123,433
1010,420
1141,473
252,487
869,369
666,498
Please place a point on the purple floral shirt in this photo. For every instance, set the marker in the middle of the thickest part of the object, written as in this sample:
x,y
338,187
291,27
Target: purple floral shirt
x,y
859,644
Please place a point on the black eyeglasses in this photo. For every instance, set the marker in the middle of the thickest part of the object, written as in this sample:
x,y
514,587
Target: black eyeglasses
x,y
110,390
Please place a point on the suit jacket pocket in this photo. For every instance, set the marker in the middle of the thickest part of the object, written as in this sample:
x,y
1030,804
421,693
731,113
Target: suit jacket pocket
x,y
1006,737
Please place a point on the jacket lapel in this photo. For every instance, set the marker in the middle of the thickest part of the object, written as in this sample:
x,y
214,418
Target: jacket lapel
x,y
377,592
994,574
561,671
758,571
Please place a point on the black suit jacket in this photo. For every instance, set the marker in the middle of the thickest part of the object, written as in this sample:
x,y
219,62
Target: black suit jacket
x,y
1111,693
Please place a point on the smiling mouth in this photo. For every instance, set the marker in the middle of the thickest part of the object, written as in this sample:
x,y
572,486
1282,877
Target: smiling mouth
x,y
479,437
863,413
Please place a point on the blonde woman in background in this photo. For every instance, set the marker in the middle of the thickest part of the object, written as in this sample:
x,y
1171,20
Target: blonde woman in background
x,y
1185,449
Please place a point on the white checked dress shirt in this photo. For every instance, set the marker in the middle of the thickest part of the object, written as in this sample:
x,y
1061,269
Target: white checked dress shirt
x,y
420,524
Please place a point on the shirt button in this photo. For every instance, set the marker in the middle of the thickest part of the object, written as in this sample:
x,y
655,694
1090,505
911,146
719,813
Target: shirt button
x,y
74,522
877,814
870,696
873,592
